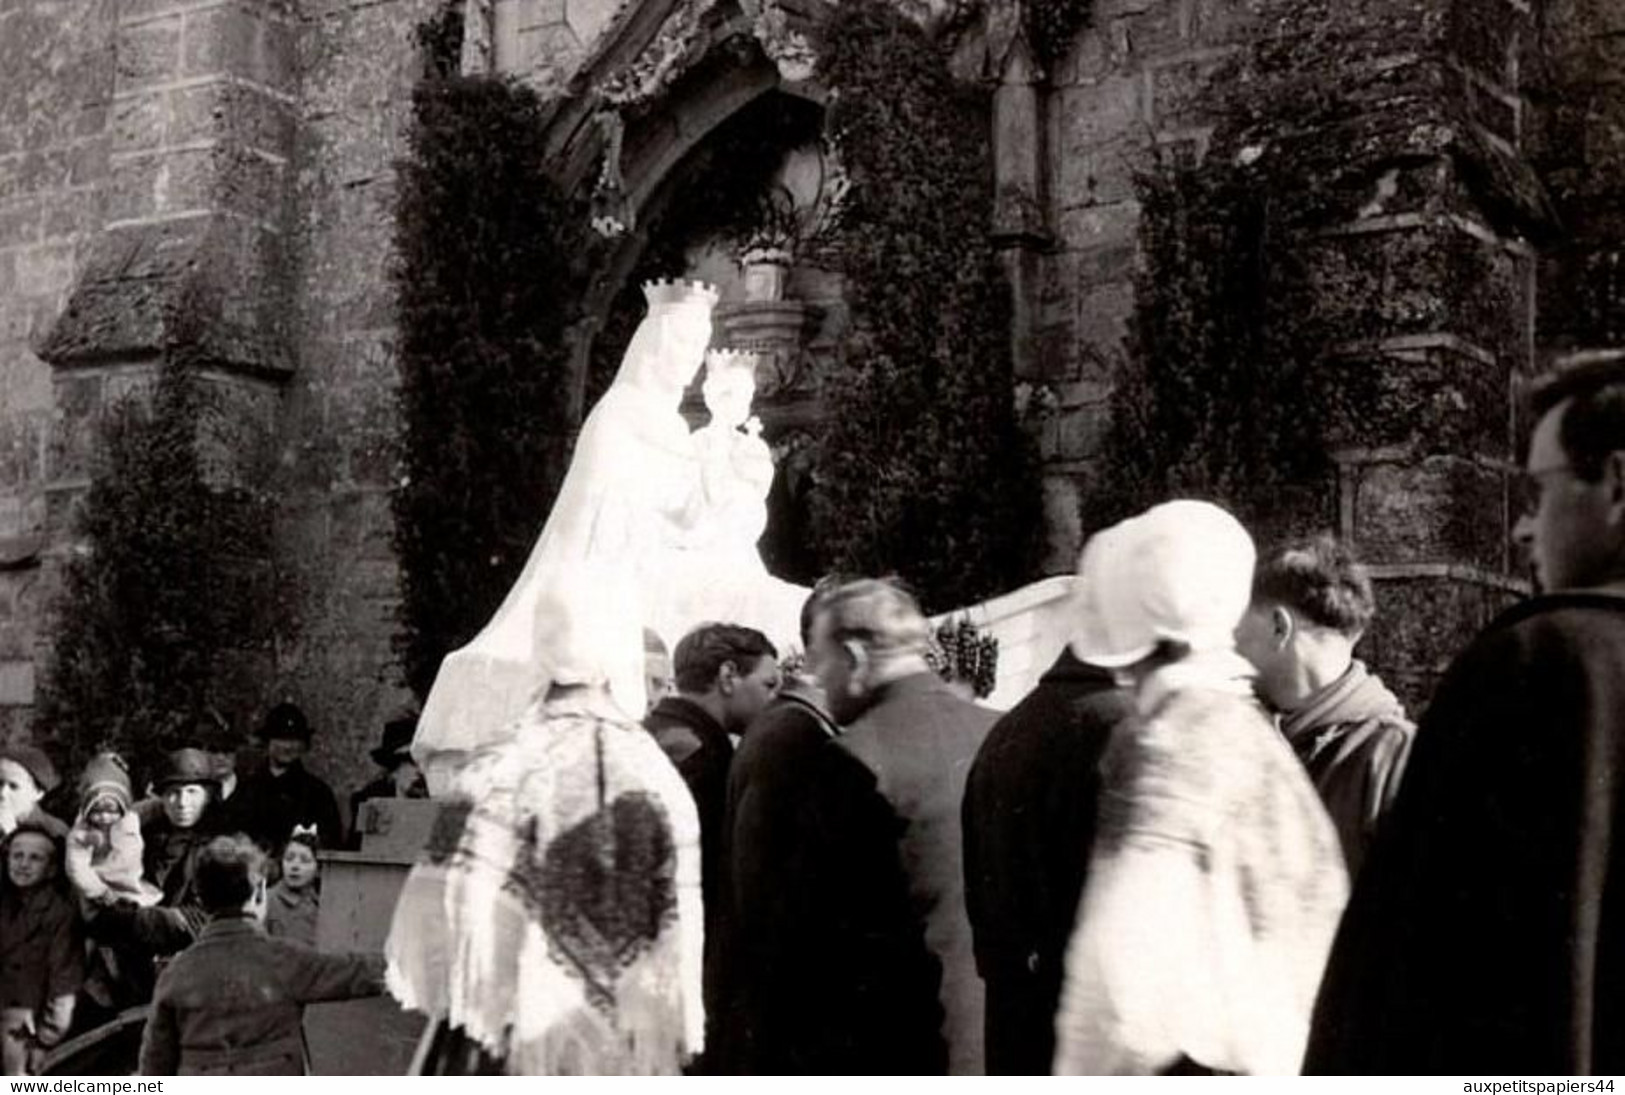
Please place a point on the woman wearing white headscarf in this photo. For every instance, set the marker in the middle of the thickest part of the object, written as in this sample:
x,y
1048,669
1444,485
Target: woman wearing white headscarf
x,y
554,925
1216,879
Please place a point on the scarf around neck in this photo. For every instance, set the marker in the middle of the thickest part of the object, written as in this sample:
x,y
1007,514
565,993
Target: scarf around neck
x,y
555,916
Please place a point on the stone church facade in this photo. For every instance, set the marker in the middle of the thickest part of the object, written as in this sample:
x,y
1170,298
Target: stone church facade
x,y
221,171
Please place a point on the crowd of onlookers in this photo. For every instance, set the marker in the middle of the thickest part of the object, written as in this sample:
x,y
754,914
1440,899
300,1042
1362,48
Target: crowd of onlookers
x,y
91,909
1210,840
1146,866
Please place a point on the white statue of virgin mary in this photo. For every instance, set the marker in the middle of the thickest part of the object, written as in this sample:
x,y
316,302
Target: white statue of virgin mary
x,y
634,505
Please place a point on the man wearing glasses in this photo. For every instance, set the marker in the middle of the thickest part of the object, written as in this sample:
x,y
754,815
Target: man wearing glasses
x,y
1486,933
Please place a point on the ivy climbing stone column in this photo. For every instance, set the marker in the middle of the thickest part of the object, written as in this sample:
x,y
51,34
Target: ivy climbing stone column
x,y
1398,125
190,264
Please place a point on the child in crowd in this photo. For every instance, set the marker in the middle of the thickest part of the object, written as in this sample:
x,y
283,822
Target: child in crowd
x,y
109,827
231,1004
26,776
43,953
292,905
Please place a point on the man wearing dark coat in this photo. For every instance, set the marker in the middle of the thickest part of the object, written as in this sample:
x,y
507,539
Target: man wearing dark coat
x,y
767,966
282,793
1029,820
899,990
1485,932
725,676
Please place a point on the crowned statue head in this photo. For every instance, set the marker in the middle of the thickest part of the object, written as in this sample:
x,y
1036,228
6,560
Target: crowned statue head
x,y
730,386
669,345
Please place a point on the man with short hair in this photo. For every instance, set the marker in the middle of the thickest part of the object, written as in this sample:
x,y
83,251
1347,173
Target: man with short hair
x,y
1484,933
726,675
904,995
232,1003
1311,604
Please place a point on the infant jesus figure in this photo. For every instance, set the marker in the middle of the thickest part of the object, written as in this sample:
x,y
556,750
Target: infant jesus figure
x,y
736,466
719,574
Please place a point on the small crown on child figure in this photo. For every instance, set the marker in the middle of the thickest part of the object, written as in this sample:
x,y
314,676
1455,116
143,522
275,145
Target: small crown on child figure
x,y
662,293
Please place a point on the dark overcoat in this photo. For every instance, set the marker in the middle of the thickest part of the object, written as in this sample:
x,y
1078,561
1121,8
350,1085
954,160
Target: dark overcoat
x,y
1486,934
772,960
1029,819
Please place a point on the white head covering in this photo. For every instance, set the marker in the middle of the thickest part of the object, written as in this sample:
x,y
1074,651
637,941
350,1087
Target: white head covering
x,y
1181,572
588,630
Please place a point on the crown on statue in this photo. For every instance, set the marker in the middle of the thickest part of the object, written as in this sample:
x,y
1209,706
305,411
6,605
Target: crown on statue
x,y
718,362
661,293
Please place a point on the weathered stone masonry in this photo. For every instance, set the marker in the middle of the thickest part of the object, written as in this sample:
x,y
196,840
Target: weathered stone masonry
x,y
218,174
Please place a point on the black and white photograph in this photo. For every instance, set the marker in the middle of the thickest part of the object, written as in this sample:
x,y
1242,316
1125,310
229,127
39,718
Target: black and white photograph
x,y
916,538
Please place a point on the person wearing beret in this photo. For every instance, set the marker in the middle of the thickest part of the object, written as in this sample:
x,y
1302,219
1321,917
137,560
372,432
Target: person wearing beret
x,y
190,790
401,777
281,792
27,776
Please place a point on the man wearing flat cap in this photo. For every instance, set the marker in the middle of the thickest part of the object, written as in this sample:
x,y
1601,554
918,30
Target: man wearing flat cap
x,y
281,793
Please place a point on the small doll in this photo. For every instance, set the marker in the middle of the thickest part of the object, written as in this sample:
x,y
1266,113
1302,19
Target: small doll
x,y
292,905
110,828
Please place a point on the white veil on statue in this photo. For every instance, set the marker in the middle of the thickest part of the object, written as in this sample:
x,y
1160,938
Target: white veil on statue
x,y
631,492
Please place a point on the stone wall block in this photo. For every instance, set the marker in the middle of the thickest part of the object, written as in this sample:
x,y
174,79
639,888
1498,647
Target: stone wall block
x,y
1107,110
1099,174
133,189
64,515
1055,353
46,270
220,41
149,54
1090,227
1222,22
1439,399
75,428
1064,523
1104,313
1388,282
1438,510
139,123
1179,91
1161,28
20,453
16,683
249,184
1421,624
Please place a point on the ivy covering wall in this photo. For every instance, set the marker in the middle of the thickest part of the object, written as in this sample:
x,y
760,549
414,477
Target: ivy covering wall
x,y
922,469
1220,399
153,597
489,279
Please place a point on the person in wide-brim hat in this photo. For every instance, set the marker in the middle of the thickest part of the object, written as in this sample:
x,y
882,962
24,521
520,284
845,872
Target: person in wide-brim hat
x,y
401,777
281,792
